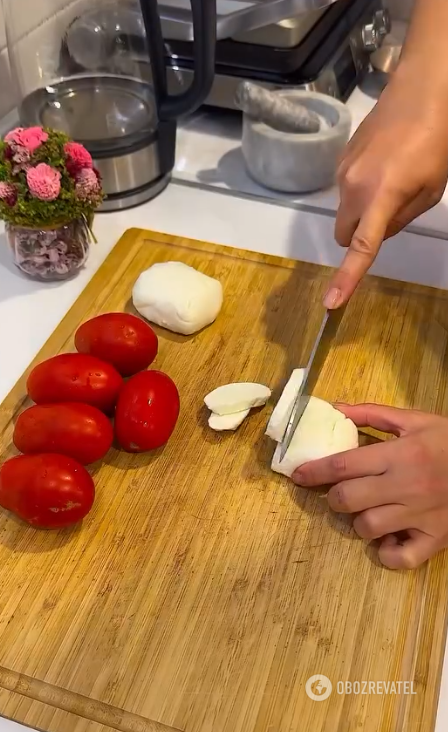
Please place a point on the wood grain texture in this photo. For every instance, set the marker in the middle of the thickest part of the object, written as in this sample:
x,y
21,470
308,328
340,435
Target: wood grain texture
x,y
203,590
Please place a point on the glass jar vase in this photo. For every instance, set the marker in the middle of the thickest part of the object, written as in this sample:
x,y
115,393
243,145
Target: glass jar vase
x,y
49,254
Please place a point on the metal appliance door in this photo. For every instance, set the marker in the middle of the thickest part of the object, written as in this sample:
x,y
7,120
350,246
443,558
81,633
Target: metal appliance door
x,y
233,16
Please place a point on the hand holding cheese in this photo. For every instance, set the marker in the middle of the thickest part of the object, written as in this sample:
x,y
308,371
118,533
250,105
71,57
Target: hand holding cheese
x,y
397,490
177,297
322,430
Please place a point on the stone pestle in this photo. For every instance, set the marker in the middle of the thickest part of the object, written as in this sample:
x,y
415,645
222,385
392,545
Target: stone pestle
x,y
274,110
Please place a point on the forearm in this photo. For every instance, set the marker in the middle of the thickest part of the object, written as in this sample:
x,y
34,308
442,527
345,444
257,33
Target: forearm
x,y
424,60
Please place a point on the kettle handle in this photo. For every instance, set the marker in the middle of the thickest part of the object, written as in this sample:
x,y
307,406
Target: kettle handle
x,y
204,46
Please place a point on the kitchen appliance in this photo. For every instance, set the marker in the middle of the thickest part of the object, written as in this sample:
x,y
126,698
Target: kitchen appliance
x,y
385,59
125,119
319,45
326,50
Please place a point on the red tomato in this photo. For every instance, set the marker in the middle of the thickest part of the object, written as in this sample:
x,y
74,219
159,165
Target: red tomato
x,y
147,411
47,491
75,377
121,339
74,429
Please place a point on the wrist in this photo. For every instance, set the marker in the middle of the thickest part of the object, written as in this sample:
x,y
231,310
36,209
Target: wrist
x,y
413,80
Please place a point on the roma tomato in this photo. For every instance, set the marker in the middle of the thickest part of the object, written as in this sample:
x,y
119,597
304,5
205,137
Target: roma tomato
x,y
74,429
47,491
75,377
121,339
147,411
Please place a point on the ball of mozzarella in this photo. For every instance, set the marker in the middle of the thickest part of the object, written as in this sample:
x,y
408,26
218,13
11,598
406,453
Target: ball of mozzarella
x,y
177,297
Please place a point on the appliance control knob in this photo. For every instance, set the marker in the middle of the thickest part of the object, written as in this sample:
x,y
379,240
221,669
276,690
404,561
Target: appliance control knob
x,y
383,22
373,33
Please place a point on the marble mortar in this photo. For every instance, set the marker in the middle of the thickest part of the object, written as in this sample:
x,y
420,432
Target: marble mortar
x,y
298,162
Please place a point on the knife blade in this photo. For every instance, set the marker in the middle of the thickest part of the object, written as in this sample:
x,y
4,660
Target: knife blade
x,y
319,353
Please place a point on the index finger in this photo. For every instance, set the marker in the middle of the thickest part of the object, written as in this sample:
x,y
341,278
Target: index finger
x,y
362,252
357,463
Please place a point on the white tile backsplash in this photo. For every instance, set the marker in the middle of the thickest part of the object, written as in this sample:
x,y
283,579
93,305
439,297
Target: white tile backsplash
x,y
7,97
7,93
35,31
2,29
35,59
23,16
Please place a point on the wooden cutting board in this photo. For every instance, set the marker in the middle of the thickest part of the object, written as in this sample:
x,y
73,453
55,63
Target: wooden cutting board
x,y
204,590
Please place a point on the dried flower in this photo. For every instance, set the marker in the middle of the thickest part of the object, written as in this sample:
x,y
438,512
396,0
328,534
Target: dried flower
x,y
11,136
8,194
44,182
87,185
78,158
30,138
21,160
54,183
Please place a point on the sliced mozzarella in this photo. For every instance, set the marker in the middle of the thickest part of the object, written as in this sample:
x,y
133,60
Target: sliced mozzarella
x,y
227,421
237,397
279,419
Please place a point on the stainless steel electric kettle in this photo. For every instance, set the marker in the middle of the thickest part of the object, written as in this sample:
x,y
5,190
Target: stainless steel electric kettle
x,y
73,66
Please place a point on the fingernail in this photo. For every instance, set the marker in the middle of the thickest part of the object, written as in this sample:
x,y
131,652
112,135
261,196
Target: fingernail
x,y
332,298
297,477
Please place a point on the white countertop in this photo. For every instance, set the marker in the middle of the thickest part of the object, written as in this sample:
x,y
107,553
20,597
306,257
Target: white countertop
x,y
29,312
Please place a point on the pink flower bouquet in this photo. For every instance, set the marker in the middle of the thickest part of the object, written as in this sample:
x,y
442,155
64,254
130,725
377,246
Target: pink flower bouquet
x,y
47,184
46,179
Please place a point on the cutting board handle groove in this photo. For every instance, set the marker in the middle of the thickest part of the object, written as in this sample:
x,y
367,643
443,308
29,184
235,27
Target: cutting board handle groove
x,y
82,706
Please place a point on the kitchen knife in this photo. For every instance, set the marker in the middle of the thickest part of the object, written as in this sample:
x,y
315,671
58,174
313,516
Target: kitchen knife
x,y
319,353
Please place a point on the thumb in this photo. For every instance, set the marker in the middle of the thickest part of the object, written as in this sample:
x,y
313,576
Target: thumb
x,y
393,420
364,247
